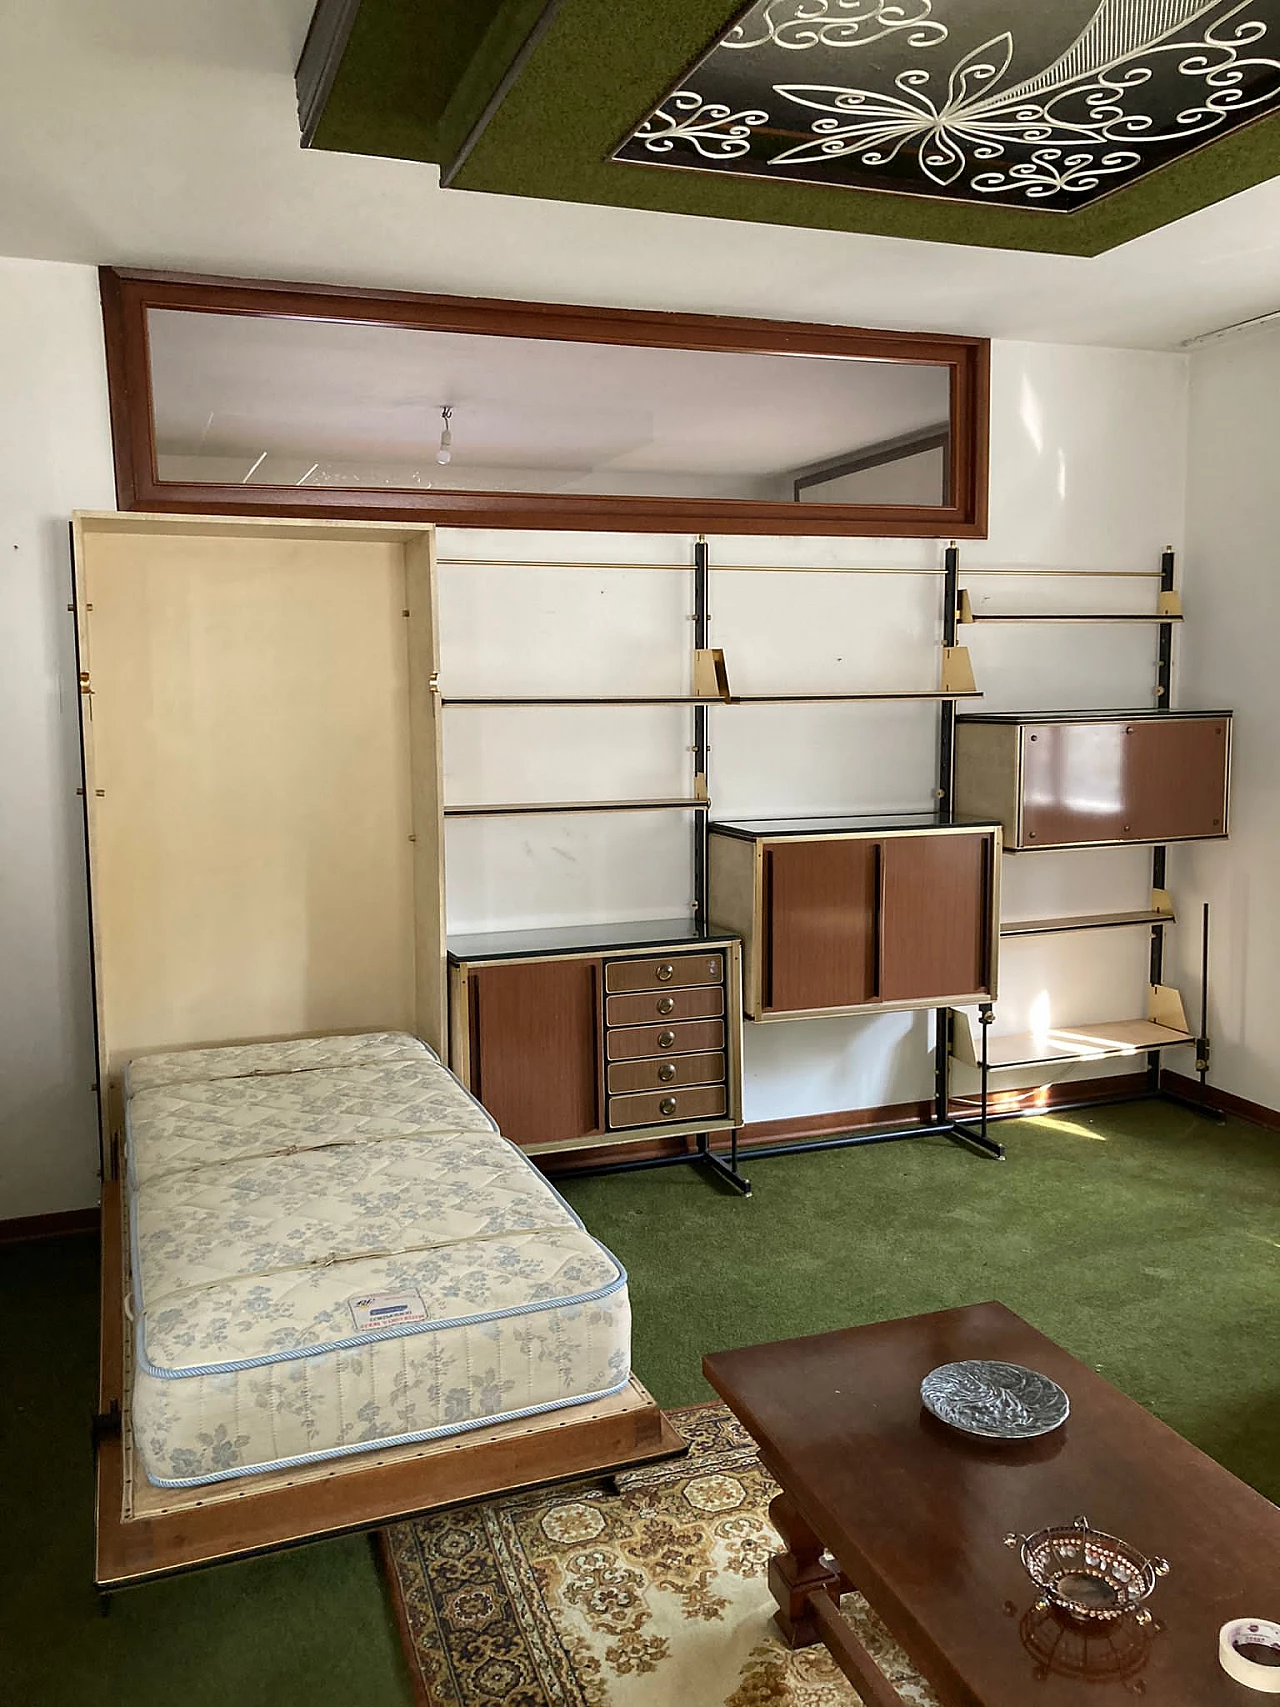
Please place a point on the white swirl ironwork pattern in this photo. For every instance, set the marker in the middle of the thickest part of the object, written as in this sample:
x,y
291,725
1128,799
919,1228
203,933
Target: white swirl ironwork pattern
x,y
799,24
714,130
1091,116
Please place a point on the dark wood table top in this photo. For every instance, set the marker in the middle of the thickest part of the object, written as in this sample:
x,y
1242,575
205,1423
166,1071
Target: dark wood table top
x,y
916,1513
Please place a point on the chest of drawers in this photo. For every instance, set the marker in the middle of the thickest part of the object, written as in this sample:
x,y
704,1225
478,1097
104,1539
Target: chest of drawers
x,y
582,1038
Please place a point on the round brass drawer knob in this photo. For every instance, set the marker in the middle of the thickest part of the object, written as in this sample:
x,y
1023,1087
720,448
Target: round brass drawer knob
x,y
666,1004
667,1105
666,1039
666,1072
666,972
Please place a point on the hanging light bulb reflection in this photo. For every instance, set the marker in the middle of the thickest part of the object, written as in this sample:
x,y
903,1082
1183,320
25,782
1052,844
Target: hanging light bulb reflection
x,y
445,453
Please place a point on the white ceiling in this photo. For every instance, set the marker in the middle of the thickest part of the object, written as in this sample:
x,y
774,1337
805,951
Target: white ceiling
x,y
163,133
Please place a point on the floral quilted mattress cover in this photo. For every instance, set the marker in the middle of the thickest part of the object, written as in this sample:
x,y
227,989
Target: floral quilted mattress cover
x,y
333,1250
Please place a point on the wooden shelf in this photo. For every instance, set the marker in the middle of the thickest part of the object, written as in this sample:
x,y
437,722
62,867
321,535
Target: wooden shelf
x,y
1085,922
1072,616
933,694
842,698
1092,1042
532,808
585,699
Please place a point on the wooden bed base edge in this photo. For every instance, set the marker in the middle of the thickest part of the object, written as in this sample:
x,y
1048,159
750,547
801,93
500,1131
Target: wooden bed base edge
x,y
345,1495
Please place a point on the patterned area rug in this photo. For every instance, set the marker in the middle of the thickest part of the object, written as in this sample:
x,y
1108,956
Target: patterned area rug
x,y
642,1591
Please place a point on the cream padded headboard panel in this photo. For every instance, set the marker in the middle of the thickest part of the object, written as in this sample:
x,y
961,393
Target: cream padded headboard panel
x,y
252,866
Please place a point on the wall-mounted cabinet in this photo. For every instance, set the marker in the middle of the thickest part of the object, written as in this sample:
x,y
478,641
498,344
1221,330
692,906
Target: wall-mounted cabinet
x,y
1077,779
573,1038
838,915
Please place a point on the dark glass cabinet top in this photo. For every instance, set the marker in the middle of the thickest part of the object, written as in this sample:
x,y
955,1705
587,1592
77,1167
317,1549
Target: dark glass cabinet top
x,y
850,823
1146,715
584,939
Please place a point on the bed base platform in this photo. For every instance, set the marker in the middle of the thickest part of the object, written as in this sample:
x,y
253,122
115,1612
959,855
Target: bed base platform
x,y
145,1532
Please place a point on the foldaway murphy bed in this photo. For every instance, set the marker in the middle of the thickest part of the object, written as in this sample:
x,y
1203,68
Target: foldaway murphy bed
x,y
262,785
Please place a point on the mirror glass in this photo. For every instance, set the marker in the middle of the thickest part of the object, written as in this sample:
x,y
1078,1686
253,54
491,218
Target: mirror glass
x,y
273,401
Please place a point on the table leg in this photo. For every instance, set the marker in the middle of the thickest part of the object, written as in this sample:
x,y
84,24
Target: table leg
x,y
798,1573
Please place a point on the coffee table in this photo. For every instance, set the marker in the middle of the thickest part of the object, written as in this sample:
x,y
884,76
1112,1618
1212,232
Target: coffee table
x,y
877,1494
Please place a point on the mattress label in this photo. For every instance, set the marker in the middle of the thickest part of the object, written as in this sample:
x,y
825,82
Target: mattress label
x,y
386,1310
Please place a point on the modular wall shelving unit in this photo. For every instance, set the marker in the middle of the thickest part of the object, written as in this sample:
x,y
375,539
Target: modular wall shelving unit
x,y
710,685
1195,806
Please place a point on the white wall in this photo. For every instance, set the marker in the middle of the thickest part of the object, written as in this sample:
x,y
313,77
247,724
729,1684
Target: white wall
x,y
1088,471
1229,660
55,456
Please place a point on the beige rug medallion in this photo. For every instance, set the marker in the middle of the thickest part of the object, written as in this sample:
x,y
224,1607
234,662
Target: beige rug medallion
x,y
645,1592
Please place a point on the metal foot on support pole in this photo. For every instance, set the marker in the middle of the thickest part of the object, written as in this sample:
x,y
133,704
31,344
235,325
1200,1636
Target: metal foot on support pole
x,y
1203,1046
980,1139
977,1140
727,1171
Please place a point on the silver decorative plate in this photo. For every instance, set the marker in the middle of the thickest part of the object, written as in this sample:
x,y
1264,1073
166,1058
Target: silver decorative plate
x,y
998,1401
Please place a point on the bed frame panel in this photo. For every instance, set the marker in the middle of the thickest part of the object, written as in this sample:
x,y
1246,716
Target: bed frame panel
x,y
256,872
145,1532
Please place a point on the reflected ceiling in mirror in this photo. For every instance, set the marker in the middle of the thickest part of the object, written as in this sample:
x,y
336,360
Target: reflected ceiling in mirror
x,y
285,402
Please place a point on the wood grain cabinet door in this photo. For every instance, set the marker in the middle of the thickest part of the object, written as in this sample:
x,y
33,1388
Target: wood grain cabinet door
x,y
534,1052
819,924
1074,783
935,918
1177,778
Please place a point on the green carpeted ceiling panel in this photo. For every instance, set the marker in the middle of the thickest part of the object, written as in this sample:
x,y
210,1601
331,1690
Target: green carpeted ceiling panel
x,y
604,63
416,77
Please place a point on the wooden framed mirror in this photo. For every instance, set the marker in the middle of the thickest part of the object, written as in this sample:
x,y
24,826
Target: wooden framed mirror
x,y
240,397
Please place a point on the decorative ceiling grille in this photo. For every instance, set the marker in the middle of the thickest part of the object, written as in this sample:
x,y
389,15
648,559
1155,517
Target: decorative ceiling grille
x,y
1031,105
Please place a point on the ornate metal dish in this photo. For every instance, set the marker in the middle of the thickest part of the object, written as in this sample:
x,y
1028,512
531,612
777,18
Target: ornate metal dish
x,y
1088,1573
997,1401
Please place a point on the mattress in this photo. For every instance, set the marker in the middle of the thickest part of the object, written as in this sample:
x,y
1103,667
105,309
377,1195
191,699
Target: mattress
x,y
333,1249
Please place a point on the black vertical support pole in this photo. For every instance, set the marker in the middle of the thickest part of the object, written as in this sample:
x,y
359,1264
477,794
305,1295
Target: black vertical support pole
x,y
701,631
1202,1042
946,815
1159,855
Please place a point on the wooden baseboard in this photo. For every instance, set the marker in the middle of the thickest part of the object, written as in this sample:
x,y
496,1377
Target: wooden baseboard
x,y
798,1130
753,1135
1211,1096
23,1227
759,1134
1043,1099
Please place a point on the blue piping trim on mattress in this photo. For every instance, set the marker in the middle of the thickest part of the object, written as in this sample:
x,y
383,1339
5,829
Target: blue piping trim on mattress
x,y
391,1441
375,1335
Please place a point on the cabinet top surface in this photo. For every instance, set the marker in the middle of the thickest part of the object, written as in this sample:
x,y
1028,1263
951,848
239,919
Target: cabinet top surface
x,y
851,823
1118,715
573,939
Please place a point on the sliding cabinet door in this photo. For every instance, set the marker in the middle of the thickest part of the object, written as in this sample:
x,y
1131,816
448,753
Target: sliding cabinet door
x,y
535,1062
935,917
819,924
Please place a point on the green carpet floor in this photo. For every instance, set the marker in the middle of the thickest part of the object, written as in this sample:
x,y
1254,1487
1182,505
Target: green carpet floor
x,y
1145,1240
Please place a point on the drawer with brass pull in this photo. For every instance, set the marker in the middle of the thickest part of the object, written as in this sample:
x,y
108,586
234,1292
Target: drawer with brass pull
x,y
671,971
682,1037
644,1009
676,1070
702,1102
